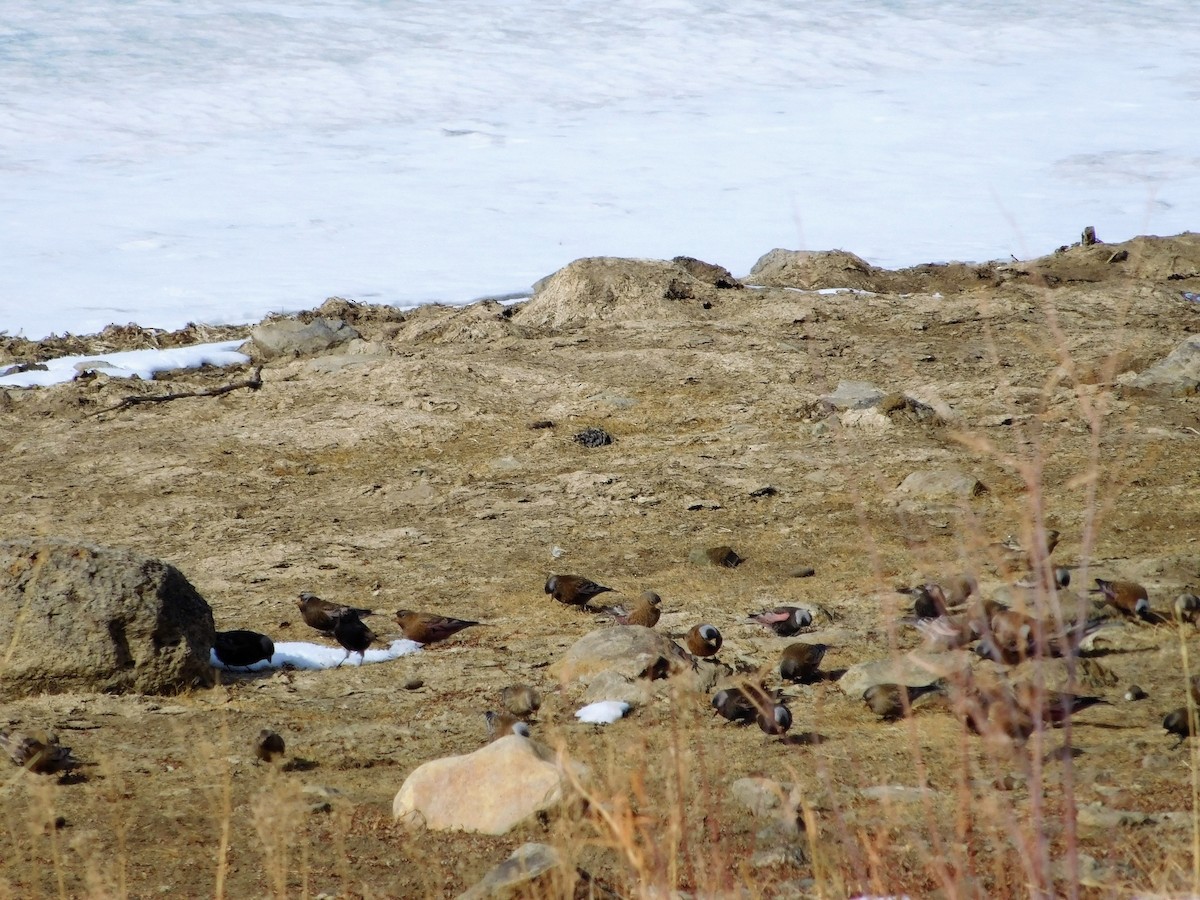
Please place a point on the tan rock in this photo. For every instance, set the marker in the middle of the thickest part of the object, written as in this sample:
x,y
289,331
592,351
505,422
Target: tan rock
x,y
490,791
631,650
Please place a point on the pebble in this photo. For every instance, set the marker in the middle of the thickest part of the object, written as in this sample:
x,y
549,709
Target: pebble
x,y
413,683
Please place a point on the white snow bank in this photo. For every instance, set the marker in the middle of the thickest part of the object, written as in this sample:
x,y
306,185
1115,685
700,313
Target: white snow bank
x,y
127,363
603,712
304,655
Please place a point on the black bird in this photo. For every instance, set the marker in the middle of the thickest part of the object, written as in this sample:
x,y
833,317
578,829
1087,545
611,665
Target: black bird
x,y
319,613
242,649
268,745
573,590
354,636
1179,723
744,704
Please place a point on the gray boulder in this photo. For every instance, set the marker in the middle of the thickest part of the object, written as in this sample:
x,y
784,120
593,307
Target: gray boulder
x,y
1177,374
77,617
941,483
529,868
914,669
291,337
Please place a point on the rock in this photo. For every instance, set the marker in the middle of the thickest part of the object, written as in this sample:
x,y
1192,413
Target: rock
x,y
1178,374
764,797
914,669
78,617
814,270
489,791
940,483
610,287
852,395
291,337
725,557
519,875
709,273
612,685
801,572
629,650
865,418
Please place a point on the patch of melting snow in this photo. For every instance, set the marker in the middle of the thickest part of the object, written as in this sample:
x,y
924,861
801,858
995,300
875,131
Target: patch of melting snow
x,y
603,712
303,655
126,364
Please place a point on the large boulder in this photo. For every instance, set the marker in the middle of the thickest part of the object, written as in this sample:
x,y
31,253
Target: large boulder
x,y
631,651
490,791
77,617
291,337
605,287
1176,375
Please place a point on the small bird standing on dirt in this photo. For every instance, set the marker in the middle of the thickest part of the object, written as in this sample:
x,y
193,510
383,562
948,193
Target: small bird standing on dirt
x,y
41,754
645,611
242,649
744,704
520,700
785,621
427,628
573,590
801,662
1052,707
268,745
776,720
501,724
1127,596
703,640
353,635
1180,723
317,612
888,701
934,599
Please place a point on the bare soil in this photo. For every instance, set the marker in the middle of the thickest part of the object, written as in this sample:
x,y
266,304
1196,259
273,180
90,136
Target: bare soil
x,y
409,477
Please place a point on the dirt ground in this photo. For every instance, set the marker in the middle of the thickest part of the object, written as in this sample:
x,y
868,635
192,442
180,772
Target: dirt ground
x,y
409,476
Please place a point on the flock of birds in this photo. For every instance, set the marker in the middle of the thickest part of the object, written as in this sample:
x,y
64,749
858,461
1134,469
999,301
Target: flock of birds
x,y
949,615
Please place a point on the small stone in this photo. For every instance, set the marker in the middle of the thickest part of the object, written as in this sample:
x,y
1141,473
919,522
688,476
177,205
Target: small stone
x,y
940,483
792,855
593,437
765,491
540,424
852,395
802,572
413,683
725,557
696,503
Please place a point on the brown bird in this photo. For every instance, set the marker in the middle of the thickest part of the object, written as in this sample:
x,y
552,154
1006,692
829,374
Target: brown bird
x,y
801,662
41,754
1179,722
703,640
520,700
268,745
426,628
888,701
1127,596
776,720
573,590
354,636
934,599
645,611
1014,556
1015,637
501,724
242,649
785,621
1051,707
316,612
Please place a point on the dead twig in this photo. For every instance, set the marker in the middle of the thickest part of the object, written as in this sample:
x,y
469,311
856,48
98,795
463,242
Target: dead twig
x,y
253,383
